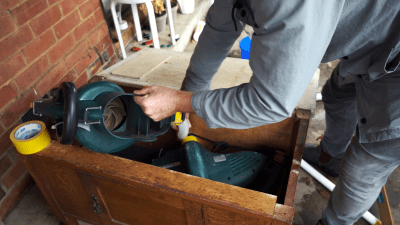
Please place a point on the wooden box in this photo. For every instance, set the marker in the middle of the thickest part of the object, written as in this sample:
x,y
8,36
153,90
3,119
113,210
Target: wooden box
x,y
105,189
80,184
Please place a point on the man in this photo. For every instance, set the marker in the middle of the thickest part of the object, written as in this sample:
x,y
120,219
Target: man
x,y
291,38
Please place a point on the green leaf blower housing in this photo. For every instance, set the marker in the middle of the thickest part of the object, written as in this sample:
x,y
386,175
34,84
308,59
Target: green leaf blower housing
x,y
87,110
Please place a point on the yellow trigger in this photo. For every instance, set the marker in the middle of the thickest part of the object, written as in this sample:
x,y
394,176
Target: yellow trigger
x,y
178,118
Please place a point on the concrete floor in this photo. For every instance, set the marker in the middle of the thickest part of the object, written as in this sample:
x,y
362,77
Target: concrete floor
x,y
311,197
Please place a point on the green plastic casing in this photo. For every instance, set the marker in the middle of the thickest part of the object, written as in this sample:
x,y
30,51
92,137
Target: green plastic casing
x,y
240,168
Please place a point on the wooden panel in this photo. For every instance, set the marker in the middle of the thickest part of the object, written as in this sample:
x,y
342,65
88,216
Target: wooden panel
x,y
194,213
278,135
67,188
138,66
130,204
172,71
140,174
218,216
37,175
384,208
283,215
298,142
231,74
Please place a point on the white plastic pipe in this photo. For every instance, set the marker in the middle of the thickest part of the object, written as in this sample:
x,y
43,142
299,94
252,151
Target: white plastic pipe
x,y
153,25
329,185
199,29
319,97
117,29
171,22
186,6
136,20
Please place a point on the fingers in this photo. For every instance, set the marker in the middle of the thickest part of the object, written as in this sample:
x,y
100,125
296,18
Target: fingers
x,y
175,127
141,95
144,91
187,117
147,109
156,101
139,100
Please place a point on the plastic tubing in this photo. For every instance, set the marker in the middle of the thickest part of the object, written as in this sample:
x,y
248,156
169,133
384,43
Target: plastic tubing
x,y
329,185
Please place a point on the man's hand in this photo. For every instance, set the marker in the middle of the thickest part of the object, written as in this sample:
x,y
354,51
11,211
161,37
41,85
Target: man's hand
x,y
161,102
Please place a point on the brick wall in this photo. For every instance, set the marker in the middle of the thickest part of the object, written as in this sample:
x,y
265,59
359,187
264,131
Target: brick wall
x,y
42,43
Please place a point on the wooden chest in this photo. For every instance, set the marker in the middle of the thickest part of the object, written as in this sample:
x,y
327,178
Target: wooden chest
x,y
80,184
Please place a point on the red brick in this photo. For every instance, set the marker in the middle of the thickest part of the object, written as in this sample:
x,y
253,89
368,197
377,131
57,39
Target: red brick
x,y
7,94
14,42
46,20
86,61
5,164
95,67
60,48
7,24
98,35
112,61
67,24
26,78
68,6
89,7
110,51
98,16
51,2
104,43
16,111
49,81
14,174
13,195
1,130
81,80
70,77
39,46
73,57
5,142
28,10
14,155
84,28
11,67
7,4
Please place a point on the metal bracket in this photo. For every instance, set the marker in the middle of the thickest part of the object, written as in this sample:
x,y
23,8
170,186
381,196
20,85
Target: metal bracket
x,y
96,205
33,108
85,118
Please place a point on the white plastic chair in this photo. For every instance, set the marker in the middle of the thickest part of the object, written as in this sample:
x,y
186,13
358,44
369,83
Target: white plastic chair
x,y
152,19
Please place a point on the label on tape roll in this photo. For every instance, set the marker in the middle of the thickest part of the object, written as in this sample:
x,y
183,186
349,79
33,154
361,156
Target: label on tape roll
x,y
30,137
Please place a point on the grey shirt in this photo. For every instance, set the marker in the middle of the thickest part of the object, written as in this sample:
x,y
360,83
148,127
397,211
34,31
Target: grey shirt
x,y
292,37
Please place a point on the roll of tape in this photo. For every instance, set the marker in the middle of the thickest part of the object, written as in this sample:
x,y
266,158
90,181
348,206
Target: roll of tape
x,y
30,137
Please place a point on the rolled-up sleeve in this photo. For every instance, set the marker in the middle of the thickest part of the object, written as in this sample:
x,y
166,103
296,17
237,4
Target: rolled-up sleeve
x,y
289,43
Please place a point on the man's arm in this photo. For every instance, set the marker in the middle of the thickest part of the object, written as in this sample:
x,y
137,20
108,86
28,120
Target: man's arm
x,y
286,49
213,47
161,102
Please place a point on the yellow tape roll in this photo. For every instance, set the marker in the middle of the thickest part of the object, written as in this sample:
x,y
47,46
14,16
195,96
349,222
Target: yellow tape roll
x,y
30,137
